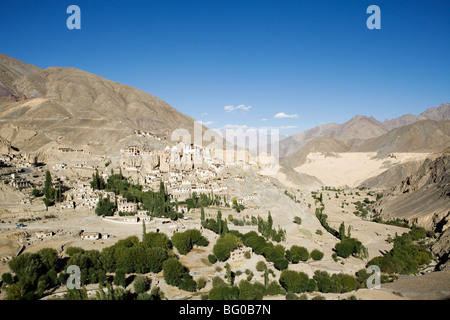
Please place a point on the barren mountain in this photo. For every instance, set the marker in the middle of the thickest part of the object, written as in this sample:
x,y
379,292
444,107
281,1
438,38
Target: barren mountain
x,y
392,176
67,107
355,131
328,146
423,136
422,198
296,142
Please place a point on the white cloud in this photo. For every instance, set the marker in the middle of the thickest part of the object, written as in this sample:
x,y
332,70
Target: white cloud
x,y
240,107
282,115
207,123
204,114
263,119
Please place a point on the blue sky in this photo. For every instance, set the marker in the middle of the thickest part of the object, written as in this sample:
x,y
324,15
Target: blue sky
x,y
240,63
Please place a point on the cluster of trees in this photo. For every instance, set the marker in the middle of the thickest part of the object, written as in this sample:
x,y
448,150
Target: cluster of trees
x,y
33,274
361,209
268,231
274,253
131,255
217,225
322,217
226,244
299,282
245,290
290,195
337,283
349,246
296,254
97,183
407,256
185,241
394,222
175,274
202,200
51,194
105,207
141,292
158,204
244,222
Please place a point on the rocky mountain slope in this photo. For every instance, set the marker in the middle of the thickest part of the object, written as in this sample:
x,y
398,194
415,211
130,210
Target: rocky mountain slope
x,y
423,136
423,197
44,109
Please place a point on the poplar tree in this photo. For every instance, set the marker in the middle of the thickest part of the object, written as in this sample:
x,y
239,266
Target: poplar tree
x,y
342,231
144,229
202,214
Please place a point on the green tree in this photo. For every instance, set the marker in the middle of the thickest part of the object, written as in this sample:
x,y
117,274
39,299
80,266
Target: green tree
x,y
316,255
141,284
105,207
7,278
49,257
120,278
293,281
297,254
202,214
219,221
212,258
173,272
342,231
225,245
48,190
157,239
144,229
97,182
274,288
247,291
261,266
182,242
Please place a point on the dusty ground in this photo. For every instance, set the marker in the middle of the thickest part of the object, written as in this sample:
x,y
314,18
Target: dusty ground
x,y
351,168
67,225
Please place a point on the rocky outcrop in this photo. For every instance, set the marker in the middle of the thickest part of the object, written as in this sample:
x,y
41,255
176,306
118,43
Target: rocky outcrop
x,y
441,249
421,198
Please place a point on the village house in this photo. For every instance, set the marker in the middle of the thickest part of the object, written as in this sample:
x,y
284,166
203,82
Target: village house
x,y
127,207
239,254
143,216
182,208
90,235
130,150
19,183
131,219
59,166
44,234
68,205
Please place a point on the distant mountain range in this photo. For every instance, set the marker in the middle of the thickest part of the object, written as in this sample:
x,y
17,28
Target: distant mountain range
x,y
358,129
43,109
